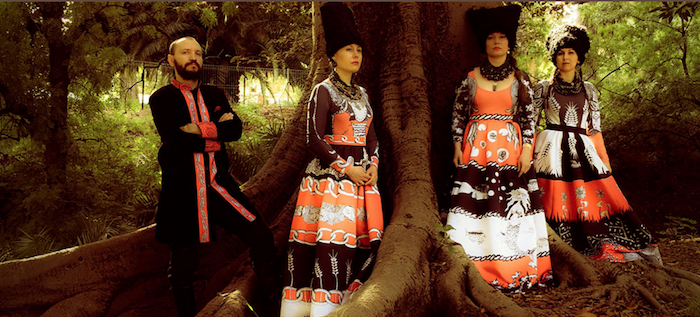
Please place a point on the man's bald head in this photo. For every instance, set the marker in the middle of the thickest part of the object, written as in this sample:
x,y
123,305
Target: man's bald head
x,y
173,45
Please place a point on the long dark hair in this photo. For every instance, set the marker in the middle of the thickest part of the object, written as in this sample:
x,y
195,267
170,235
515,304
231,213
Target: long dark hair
x,y
524,83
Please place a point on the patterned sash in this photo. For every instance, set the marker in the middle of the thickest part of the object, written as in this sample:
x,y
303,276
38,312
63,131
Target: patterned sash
x,y
202,212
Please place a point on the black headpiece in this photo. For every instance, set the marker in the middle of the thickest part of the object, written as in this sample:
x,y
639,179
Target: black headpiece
x,y
487,21
568,36
339,27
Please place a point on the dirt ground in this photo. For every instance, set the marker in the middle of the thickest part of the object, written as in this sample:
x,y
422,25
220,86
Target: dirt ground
x,y
680,253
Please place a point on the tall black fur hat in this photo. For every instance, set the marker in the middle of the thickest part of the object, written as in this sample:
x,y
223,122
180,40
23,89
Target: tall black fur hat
x,y
501,19
339,27
568,36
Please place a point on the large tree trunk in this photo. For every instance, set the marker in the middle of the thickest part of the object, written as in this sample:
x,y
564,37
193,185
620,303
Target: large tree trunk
x,y
57,137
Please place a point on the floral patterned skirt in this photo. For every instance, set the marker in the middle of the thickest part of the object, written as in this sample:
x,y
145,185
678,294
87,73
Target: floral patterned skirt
x,y
336,231
497,216
583,203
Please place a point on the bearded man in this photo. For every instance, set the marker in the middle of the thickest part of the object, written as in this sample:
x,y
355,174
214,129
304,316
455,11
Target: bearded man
x,y
194,122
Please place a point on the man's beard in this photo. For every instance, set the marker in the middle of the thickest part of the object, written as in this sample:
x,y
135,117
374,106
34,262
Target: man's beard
x,y
187,74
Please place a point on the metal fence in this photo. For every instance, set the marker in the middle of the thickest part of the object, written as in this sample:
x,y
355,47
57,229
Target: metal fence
x,y
263,86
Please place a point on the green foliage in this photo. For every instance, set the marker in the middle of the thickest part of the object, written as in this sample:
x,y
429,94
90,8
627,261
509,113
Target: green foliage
x,y
442,236
34,244
263,127
208,18
644,63
95,229
536,19
113,182
276,34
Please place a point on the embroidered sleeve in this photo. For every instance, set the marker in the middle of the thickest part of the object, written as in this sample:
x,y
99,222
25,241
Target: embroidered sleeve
x,y
538,99
594,116
372,145
208,130
462,107
211,145
317,115
528,114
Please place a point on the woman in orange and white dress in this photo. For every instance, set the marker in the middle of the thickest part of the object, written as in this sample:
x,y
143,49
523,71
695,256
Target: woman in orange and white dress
x,y
338,221
495,209
581,199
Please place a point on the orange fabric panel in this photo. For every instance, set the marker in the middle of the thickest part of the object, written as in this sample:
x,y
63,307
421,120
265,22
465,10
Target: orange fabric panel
x,y
375,218
599,144
340,194
491,145
321,297
342,140
294,294
493,101
582,201
342,126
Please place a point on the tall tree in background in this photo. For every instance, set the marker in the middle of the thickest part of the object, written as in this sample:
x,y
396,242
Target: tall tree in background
x,y
60,47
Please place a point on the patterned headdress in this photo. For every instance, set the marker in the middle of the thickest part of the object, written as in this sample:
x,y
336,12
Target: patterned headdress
x,y
568,36
339,27
501,19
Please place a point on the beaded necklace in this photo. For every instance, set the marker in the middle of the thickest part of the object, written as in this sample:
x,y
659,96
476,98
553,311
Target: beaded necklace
x,y
494,73
352,92
566,88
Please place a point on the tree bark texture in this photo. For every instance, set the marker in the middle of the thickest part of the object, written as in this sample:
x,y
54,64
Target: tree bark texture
x,y
57,138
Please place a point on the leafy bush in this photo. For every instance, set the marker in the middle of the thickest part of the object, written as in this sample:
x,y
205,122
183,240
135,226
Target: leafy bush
x,y
263,126
113,184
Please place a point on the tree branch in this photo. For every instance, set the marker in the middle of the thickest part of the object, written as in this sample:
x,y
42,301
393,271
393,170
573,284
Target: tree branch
x,y
610,73
7,136
656,22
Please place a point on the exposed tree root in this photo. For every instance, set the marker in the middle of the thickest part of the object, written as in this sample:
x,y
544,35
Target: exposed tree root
x,y
449,282
463,283
664,289
59,282
570,267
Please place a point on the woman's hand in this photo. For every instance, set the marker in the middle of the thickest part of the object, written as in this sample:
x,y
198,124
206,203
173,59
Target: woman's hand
x,y
373,175
457,159
524,162
357,175
191,128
